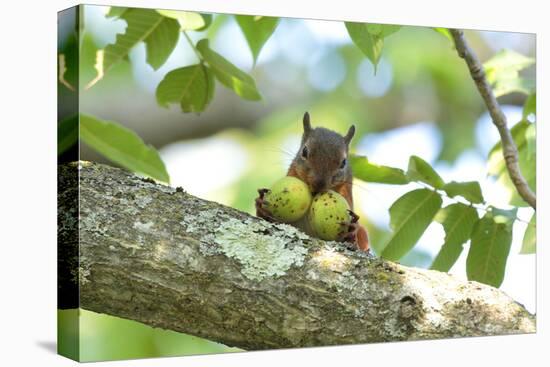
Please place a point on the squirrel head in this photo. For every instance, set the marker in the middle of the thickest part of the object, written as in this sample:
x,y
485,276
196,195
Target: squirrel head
x,y
322,161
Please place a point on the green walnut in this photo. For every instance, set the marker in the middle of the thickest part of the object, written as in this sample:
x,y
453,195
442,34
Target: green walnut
x,y
288,200
327,213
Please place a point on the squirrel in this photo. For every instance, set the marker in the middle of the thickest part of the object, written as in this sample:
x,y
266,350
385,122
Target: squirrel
x,y
322,163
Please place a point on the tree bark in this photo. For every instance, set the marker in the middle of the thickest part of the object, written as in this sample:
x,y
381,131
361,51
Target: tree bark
x,y
157,255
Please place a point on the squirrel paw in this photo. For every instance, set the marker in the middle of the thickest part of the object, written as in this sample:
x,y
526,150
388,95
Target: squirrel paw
x,y
261,211
350,232
355,234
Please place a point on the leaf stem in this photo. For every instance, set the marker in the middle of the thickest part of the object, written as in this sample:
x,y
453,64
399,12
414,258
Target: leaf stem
x,y
199,56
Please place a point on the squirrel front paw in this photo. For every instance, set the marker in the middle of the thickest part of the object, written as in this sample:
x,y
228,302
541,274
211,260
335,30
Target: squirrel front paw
x,y
261,210
349,234
354,233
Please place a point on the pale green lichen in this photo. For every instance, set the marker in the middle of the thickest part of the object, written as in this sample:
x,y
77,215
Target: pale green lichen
x,y
196,223
144,227
143,200
83,273
261,248
329,259
207,247
261,255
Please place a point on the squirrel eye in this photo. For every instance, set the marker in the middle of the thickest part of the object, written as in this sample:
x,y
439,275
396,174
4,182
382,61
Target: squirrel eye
x,y
343,164
304,152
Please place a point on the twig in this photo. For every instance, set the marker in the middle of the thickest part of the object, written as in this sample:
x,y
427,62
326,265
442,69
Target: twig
x,y
509,148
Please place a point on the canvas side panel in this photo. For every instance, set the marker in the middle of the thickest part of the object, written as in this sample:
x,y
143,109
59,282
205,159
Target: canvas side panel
x,y
68,331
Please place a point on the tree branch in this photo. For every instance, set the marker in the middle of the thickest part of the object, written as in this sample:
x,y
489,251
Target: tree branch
x,y
157,255
509,148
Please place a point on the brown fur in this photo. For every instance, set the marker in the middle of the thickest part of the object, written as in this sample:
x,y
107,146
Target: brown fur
x,y
322,168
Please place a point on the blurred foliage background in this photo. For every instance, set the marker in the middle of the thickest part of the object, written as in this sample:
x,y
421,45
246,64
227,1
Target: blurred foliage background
x,y
421,101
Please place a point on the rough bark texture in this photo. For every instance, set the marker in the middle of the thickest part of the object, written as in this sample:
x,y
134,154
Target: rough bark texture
x,y
509,149
160,256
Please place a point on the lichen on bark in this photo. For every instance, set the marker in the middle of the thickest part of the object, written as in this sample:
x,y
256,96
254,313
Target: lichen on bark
x,y
160,256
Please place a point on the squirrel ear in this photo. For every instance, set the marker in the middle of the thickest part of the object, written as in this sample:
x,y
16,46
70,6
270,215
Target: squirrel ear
x,y
307,125
350,134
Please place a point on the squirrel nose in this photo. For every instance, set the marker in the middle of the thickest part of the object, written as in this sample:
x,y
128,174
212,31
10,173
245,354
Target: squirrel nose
x,y
318,185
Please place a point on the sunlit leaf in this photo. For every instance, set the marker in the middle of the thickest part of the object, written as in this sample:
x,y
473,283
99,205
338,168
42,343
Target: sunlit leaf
x,y
490,247
256,31
228,74
188,21
530,107
527,161
98,66
410,216
381,30
444,32
116,11
207,21
122,146
529,244
369,38
504,62
67,134
530,141
371,45
370,172
503,73
469,190
61,70
191,87
389,29
457,220
374,29
216,24
420,170
496,160
516,84
159,33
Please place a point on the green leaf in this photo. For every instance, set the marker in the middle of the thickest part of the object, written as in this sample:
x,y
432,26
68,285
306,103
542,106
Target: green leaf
x,y
189,21
410,216
382,30
192,87
526,158
458,221
516,84
529,245
420,170
122,146
389,29
506,61
444,32
490,246
531,142
469,190
369,38
503,73
370,172
530,106
228,74
159,33
256,31
67,134
207,21
496,164
116,11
